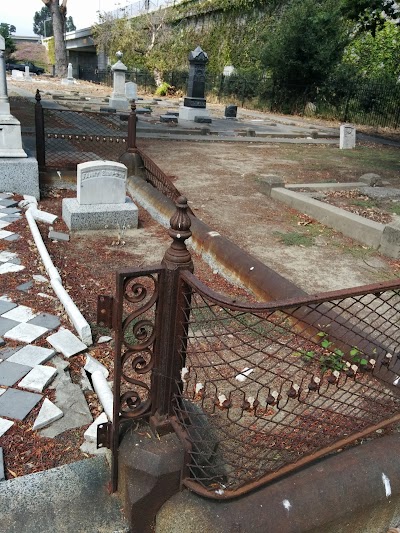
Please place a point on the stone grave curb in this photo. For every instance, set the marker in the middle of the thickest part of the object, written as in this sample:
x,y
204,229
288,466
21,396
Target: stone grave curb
x,y
65,499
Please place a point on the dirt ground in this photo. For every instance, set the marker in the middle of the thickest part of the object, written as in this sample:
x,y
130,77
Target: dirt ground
x,y
221,181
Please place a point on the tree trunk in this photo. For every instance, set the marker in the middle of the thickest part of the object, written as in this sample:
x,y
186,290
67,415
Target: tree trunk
x,y
58,17
158,77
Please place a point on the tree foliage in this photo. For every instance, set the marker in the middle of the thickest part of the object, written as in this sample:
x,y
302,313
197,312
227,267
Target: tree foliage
x,y
376,57
6,30
304,44
43,25
371,15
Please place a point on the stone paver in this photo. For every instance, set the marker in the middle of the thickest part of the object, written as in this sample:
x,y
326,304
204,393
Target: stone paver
x,y
32,356
25,287
2,391
6,255
10,372
25,333
4,233
48,414
17,404
66,342
6,306
45,320
21,313
5,353
2,476
5,425
38,378
5,268
6,325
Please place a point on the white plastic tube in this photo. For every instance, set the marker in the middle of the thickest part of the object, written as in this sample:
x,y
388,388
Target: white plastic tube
x,y
103,392
81,325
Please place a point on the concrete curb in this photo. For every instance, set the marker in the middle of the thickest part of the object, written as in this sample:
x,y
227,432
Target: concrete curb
x,y
357,490
67,499
382,237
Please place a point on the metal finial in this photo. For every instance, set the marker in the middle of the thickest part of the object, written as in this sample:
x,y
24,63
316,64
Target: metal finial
x,y
119,54
177,254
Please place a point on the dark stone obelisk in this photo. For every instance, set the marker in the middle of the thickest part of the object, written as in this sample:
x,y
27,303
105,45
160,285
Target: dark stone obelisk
x,y
198,60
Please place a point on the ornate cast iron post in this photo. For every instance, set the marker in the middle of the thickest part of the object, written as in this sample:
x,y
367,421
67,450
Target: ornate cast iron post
x,y
39,127
132,129
170,347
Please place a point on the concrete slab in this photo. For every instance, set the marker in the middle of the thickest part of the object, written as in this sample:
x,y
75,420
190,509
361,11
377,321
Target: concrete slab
x,y
26,333
12,236
21,313
18,404
32,356
48,414
10,372
5,426
66,342
38,378
71,400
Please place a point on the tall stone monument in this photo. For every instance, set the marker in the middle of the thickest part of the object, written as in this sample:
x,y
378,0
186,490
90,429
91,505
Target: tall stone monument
x,y
118,98
69,80
194,104
18,172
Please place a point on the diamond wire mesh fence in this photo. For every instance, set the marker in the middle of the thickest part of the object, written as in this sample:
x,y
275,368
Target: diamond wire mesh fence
x,y
73,137
265,390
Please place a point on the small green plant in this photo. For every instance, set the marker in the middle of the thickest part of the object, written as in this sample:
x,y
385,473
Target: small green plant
x,y
294,238
162,90
395,209
334,359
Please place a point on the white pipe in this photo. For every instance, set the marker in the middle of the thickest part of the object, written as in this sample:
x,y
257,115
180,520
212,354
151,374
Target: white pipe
x,y
103,392
80,323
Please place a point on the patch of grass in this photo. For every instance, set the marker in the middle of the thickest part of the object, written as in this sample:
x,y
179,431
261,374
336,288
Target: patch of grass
x,y
294,238
395,209
364,203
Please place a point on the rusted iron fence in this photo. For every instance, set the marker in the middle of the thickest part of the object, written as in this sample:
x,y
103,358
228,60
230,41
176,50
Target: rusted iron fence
x,y
254,391
66,137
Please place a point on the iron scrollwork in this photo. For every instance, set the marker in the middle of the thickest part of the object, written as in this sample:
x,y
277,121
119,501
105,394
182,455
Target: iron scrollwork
x,y
138,334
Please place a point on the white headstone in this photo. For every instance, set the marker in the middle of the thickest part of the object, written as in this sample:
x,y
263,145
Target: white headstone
x,y
101,182
70,75
2,43
347,136
17,74
131,90
4,103
228,70
26,73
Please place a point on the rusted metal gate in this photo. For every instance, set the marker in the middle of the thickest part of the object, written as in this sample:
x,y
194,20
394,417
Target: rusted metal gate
x,y
254,391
